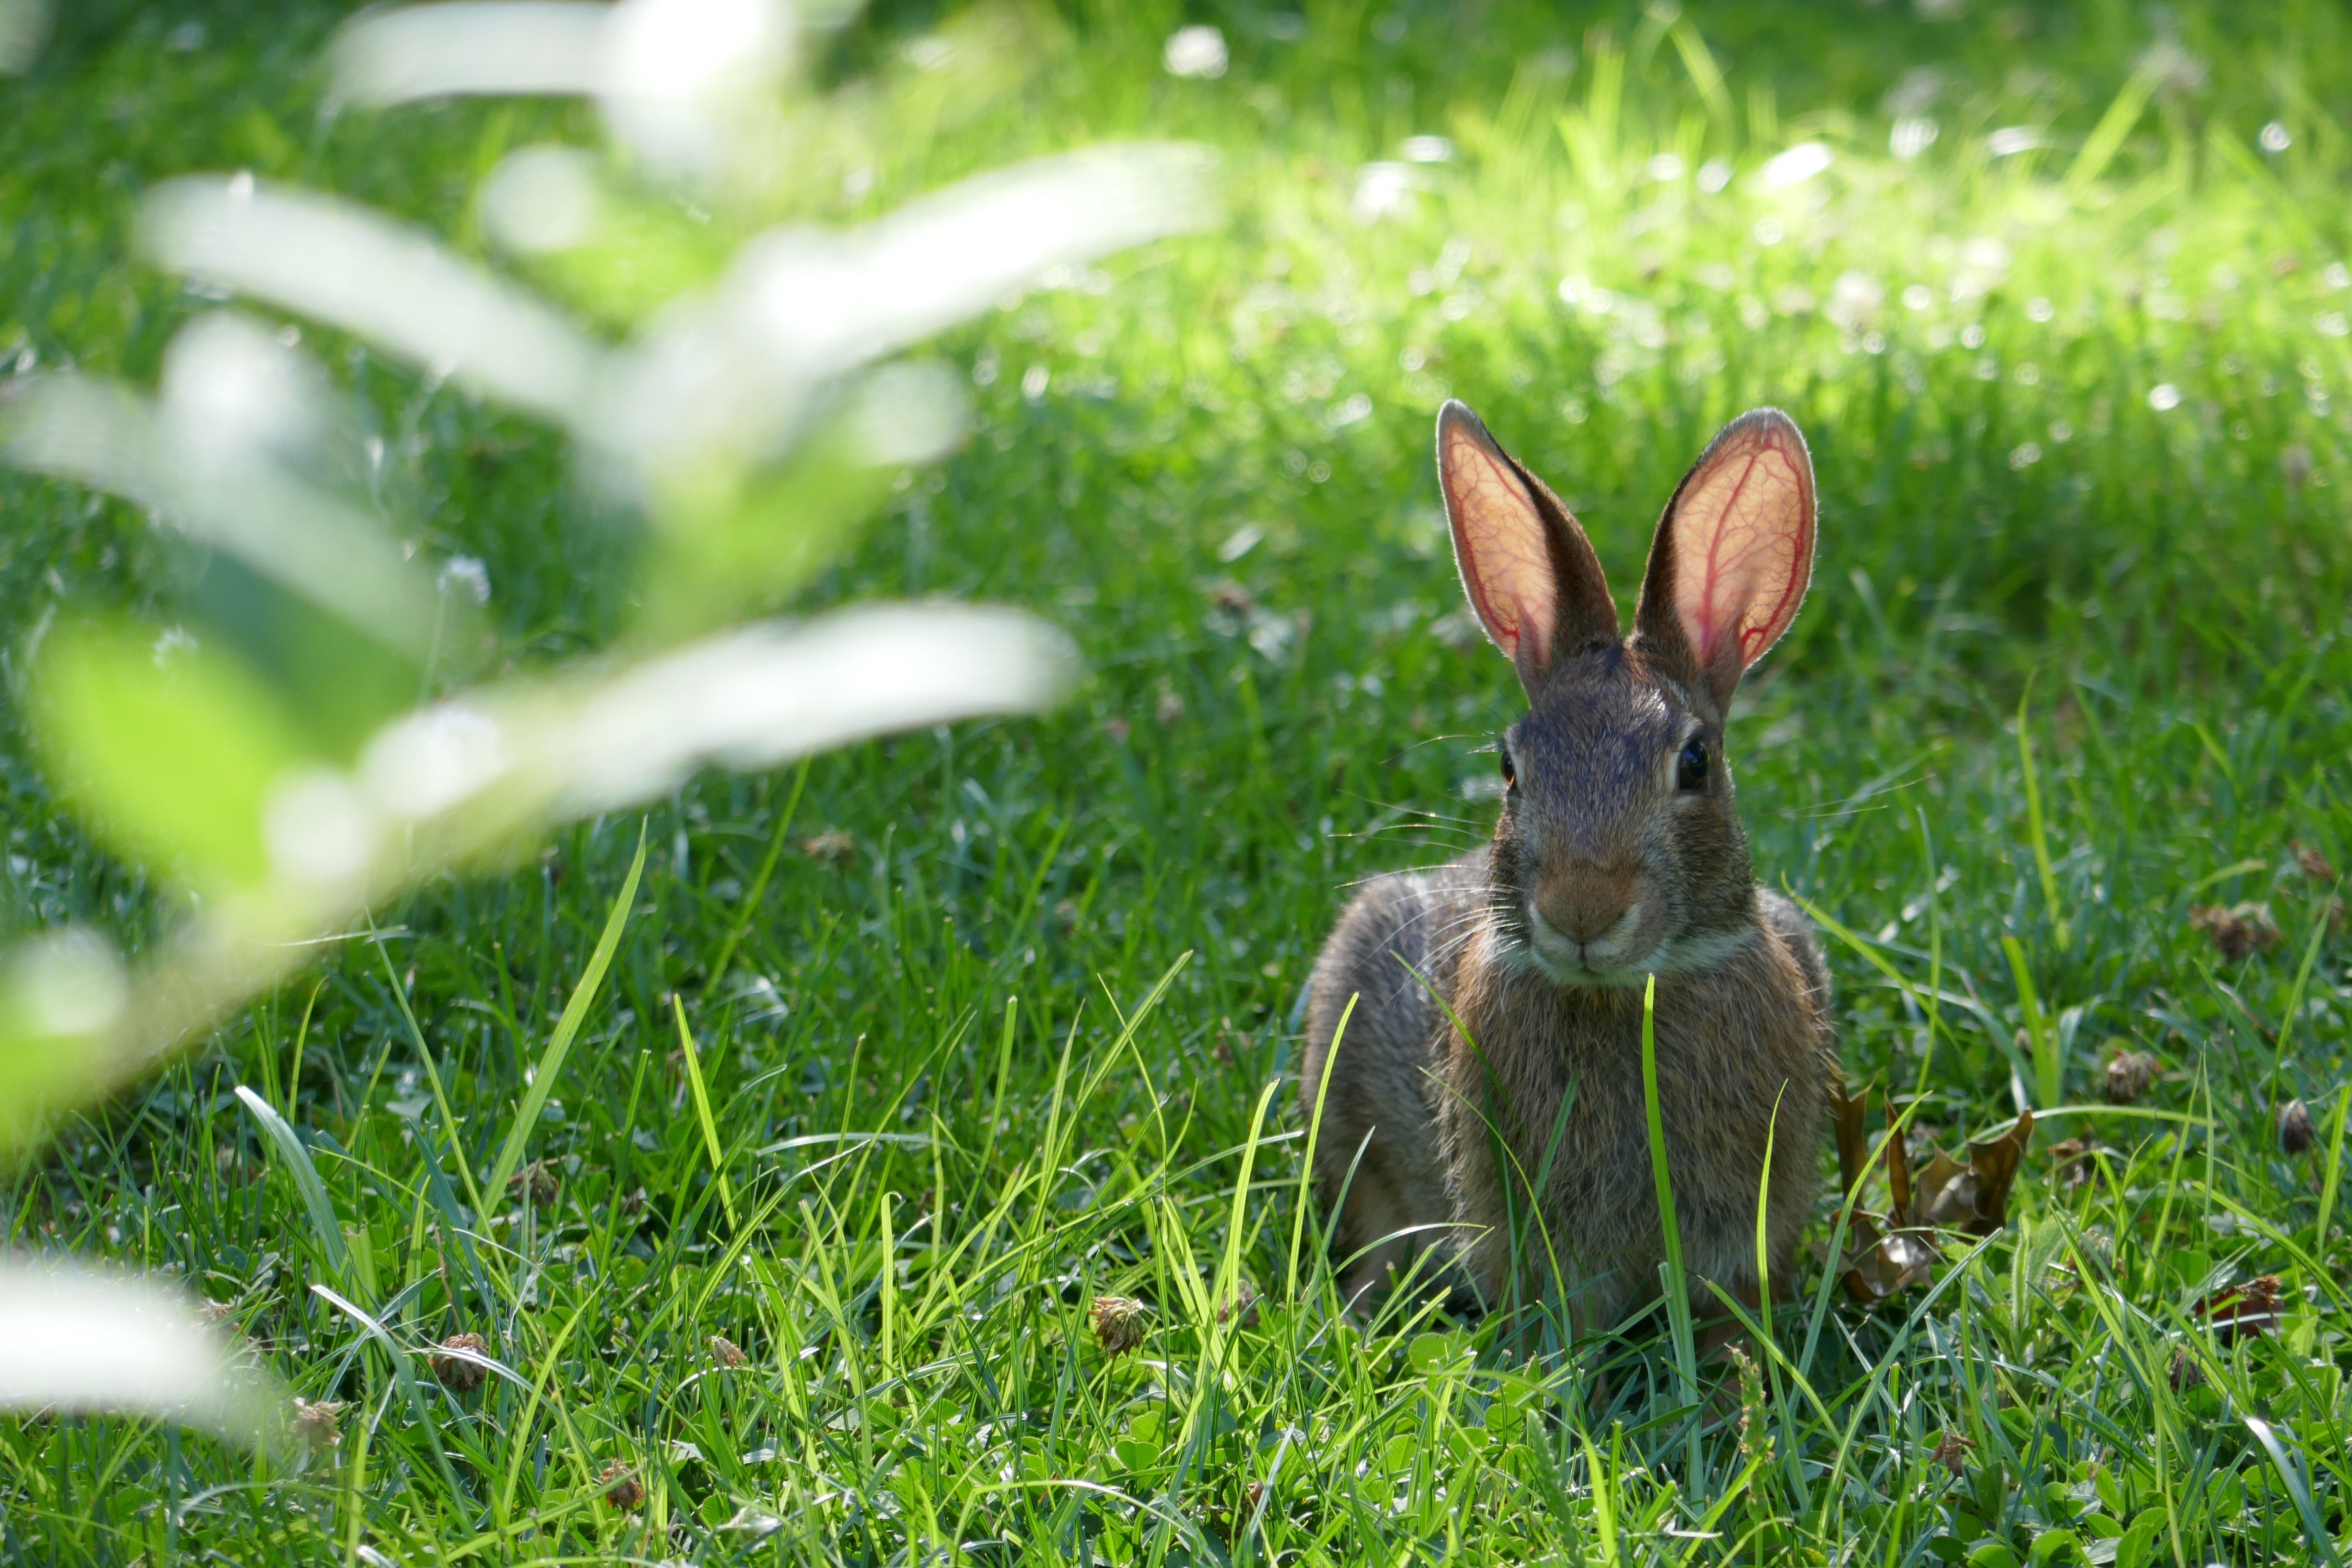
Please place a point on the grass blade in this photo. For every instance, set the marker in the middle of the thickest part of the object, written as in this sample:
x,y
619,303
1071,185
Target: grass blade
x,y
432,1077
324,1226
1313,1135
1604,1498
2298,1486
2049,1072
404,1372
1678,1312
750,910
1706,76
2294,1008
575,1013
702,1114
1225,1298
2033,819
2106,137
2334,1170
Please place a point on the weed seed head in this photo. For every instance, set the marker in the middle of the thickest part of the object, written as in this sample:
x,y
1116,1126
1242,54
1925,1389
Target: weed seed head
x,y
2238,931
834,846
457,1373
1241,1304
622,1488
2296,1133
318,1423
1118,1324
2075,1160
2130,1073
536,1182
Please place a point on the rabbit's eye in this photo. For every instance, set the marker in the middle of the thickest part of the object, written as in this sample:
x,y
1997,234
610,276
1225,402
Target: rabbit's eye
x,y
1510,769
1690,768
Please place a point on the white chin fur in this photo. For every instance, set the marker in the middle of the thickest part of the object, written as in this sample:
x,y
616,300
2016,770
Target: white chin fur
x,y
1563,968
1689,955
1583,979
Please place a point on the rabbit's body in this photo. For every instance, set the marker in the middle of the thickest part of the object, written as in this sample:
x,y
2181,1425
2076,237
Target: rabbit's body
x,y
1742,1058
1499,999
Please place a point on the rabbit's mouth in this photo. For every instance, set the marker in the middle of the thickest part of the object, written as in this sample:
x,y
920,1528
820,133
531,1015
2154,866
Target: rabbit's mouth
x,y
1607,959
1564,961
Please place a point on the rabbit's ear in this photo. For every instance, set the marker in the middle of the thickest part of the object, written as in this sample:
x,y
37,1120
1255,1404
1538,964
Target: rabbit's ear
x,y
1528,569
1733,553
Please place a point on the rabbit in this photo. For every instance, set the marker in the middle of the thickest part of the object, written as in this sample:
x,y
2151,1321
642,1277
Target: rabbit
x,y
1494,1051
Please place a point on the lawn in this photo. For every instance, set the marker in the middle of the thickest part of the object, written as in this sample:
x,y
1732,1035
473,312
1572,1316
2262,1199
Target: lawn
x,y
907,1059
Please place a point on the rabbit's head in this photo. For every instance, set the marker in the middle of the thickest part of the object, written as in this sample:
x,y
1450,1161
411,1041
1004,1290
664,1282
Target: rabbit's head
x,y
1620,852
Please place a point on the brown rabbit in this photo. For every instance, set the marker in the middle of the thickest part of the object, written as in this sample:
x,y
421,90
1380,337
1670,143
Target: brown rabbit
x,y
1495,1052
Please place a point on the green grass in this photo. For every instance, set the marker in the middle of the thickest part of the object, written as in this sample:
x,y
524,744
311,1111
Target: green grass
x,y
1029,1044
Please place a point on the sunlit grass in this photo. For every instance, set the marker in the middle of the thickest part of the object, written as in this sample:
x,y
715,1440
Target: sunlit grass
x,y
960,1077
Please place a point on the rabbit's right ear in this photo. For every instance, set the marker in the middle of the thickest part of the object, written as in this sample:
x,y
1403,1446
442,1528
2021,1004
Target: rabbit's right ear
x,y
1526,566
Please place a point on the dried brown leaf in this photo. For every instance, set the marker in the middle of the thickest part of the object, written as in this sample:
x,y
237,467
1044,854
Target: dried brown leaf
x,y
1898,1169
1976,1198
1885,1254
1881,1263
1934,1181
1853,1142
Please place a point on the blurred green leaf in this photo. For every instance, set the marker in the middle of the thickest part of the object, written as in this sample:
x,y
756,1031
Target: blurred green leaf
x,y
735,542
338,683
77,1339
59,996
170,745
642,252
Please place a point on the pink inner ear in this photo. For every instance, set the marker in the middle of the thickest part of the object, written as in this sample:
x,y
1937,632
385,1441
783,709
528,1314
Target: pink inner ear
x,y
1499,537
1744,543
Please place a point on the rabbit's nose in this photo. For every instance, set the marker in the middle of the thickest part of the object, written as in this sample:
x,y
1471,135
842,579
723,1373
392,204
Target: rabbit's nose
x,y
1584,902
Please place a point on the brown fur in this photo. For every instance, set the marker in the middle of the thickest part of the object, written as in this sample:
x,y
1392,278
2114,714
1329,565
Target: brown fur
x,y
1396,937
1441,1126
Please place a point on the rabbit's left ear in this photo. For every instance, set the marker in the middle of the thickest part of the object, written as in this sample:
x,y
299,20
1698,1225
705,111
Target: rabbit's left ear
x,y
1733,554
1525,564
